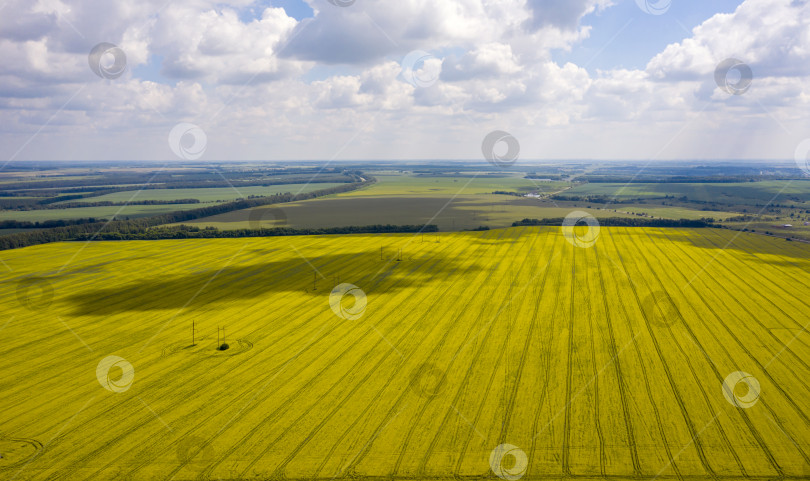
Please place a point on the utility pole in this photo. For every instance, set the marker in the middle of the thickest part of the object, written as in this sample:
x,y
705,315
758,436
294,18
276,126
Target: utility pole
x,y
193,343
381,253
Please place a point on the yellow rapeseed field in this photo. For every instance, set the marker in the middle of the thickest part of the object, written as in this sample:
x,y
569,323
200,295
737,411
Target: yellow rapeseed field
x,y
508,354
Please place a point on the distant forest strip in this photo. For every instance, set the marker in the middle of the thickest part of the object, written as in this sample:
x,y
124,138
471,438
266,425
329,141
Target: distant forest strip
x,y
67,193
544,176
191,232
603,199
24,224
93,230
74,205
37,204
719,179
625,222
177,180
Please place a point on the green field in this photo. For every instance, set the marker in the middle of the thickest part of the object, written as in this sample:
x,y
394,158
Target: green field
x,y
470,184
604,361
670,212
463,212
131,211
452,203
206,195
134,211
792,191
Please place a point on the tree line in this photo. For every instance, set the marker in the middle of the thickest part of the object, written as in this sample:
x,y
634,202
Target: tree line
x,y
625,222
93,230
712,179
192,232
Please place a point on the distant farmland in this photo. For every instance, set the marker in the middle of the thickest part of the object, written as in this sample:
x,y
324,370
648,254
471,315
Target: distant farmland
x,y
456,213
133,211
599,360
206,194
780,192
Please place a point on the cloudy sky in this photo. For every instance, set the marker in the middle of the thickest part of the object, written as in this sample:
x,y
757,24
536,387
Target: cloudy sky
x,y
403,79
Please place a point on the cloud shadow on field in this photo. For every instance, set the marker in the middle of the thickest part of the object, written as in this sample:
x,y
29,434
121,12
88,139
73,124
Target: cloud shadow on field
x,y
754,244
259,280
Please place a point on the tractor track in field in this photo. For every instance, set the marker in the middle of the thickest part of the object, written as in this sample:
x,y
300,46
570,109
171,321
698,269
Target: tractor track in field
x,y
647,387
288,410
86,329
778,290
678,399
546,378
459,393
295,395
348,396
392,412
767,299
56,375
786,348
691,367
720,377
614,355
757,436
149,419
425,404
463,452
261,381
462,390
785,272
596,403
195,392
9,445
789,399
349,372
775,306
423,462
513,397
566,451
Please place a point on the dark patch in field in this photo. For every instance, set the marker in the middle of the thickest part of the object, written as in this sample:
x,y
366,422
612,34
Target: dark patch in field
x,y
461,213
259,280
